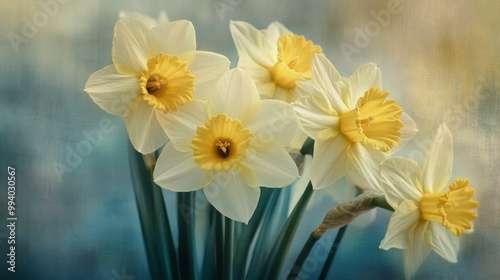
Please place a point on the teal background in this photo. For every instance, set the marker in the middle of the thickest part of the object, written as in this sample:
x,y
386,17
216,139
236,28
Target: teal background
x,y
438,59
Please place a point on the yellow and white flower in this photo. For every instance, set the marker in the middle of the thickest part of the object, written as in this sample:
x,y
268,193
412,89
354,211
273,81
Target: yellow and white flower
x,y
278,60
230,146
352,123
429,212
155,71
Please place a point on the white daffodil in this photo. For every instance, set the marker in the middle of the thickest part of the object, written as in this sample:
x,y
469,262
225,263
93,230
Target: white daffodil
x,y
278,60
155,71
429,212
230,146
352,123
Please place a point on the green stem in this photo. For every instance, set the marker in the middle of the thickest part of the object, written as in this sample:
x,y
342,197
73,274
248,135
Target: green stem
x,y
228,248
187,247
248,233
382,203
219,244
268,233
331,254
306,249
208,270
279,251
307,147
158,241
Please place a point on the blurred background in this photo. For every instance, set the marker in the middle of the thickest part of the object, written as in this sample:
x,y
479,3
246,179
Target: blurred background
x,y
77,217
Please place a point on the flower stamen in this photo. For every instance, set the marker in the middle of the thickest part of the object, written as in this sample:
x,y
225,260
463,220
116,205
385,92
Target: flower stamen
x,y
223,147
221,143
167,83
155,84
367,121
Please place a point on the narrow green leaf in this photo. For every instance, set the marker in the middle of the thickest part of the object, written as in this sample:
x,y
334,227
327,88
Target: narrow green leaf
x,y
248,233
208,270
160,249
267,235
219,244
301,258
228,248
331,254
187,247
279,251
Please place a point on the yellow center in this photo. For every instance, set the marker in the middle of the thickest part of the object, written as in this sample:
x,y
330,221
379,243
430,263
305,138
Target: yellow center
x,y
452,208
167,83
374,122
294,60
221,143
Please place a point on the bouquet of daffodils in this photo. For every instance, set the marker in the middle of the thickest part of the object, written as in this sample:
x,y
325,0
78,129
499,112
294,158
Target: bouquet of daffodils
x,y
241,135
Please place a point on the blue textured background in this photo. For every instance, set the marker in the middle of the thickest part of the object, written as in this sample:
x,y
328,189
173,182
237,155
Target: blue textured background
x,y
439,59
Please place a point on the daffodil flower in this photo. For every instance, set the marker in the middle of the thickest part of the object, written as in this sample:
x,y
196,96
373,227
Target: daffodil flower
x,y
155,71
229,146
278,60
352,123
430,213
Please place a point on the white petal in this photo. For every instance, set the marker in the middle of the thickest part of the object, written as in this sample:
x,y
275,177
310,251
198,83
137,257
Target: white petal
x,y
133,45
364,163
176,38
180,126
274,121
343,87
324,75
312,117
143,127
237,95
438,161
253,42
303,87
230,195
329,161
162,18
271,164
177,171
365,77
444,242
408,131
274,31
400,180
331,72
283,94
298,139
419,249
149,22
260,75
111,90
407,214
208,68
